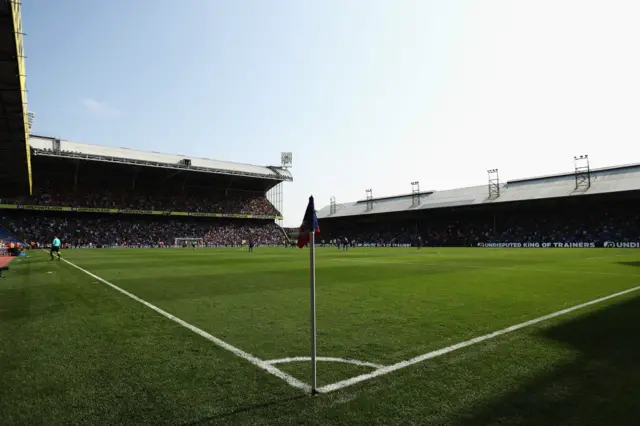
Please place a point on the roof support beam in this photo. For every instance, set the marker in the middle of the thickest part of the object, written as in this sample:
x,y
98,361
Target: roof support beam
x,y
106,159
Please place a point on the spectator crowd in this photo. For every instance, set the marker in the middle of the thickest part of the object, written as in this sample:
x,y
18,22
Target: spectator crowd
x,y
470,230
109,231
470,227
248,203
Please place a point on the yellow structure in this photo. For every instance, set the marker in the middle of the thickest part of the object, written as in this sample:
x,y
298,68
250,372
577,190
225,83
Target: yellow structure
x,y
22,72
15,153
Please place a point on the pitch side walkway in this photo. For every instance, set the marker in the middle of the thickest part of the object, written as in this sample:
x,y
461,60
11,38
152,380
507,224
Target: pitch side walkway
x,y
5,260
4,263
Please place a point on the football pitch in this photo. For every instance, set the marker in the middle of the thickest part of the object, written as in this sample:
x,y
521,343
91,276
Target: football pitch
x,y
405,336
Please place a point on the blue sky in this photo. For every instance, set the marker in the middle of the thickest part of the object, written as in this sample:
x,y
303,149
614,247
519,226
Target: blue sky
x,y
366,94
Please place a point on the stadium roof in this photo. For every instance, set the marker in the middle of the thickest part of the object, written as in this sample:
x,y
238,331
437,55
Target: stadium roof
x,y
604,180
15,165
53,147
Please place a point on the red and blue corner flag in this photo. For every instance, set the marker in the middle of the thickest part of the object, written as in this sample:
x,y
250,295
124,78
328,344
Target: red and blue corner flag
x,y
308,229
309,224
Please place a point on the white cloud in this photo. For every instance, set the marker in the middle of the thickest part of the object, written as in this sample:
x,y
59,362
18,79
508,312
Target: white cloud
x,y
100,109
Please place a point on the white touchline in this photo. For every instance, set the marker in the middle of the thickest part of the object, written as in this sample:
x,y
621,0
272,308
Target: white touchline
x,y
391,368
239,352
325,358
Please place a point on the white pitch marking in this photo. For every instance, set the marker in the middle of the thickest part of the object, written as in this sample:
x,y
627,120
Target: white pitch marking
x,y
391,368
325,358
239,352
509,268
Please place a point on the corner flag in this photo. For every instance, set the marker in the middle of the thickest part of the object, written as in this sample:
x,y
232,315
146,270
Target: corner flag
x,y
309,224
308,230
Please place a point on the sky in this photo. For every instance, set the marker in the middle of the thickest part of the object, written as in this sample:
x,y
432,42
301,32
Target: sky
x,y
364,93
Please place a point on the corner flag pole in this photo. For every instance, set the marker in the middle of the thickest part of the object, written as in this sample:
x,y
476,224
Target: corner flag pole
x,y
312,276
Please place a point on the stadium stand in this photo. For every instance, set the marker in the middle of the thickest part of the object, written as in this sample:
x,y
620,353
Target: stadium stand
x,y
6,236
154,199
103,197
292,233
99,230
542,211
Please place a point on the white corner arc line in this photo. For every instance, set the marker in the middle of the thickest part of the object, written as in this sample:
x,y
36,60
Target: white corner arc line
x,y
391,368
326,359
221,343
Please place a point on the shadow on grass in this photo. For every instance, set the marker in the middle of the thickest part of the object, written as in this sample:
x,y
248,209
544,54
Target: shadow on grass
x,y
636,264
601,387
245,409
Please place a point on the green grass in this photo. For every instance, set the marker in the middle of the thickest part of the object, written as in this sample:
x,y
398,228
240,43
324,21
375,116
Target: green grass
x,y
75,351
